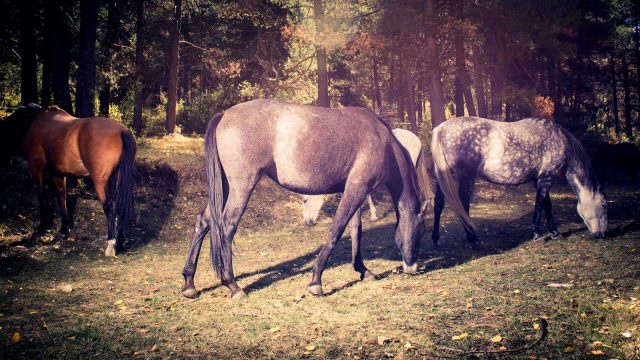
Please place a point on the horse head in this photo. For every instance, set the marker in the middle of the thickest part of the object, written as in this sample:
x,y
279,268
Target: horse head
x,y
592,208
13,129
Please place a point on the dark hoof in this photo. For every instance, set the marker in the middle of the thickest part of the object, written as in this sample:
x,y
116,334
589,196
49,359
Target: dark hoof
x,y
476,246
368,276
189,293
239,295
315,290
537,237
555,234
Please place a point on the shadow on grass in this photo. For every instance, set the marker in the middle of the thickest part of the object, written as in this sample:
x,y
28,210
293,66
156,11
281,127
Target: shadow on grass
x,y
156,187
496,236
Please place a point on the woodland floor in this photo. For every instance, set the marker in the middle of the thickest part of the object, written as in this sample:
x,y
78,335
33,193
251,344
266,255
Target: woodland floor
x,y
64,299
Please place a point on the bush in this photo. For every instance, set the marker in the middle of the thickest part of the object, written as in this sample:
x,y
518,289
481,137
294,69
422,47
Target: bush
x,y
195,115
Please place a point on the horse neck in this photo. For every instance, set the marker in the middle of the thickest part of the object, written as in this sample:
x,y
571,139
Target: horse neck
x,y
580,174
403,183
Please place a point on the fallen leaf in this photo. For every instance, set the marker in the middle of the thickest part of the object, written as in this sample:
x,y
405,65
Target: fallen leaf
x,y
382,340
517,291
310,347
16,338
71,338
496,339
32,312
66,288
469,305
568,349
627,334
408,346
502,348
459,337
536,326
583,315
560,285
154,348
596,344
119,302
597,352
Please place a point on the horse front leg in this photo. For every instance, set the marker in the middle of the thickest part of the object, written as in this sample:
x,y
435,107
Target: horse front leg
x,y
551,224
352,198
189,270
46,218
543,184
438,205
60,187
355,229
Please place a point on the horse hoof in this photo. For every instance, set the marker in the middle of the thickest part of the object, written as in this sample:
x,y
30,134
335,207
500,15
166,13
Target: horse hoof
x,y
111,248
190,293
537,237
238,295
316,290
555,234
368,276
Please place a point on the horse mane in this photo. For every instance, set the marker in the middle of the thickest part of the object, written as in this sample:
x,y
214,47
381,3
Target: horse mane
x,y
581,161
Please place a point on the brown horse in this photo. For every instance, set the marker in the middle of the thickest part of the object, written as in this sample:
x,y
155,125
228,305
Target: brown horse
x,y
64,146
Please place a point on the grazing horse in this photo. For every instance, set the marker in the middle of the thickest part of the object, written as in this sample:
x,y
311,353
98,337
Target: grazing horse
x,y
312,204
513,153
64,146
308,150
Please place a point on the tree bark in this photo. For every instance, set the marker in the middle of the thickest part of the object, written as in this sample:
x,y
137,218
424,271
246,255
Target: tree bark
x,y
628,129
436,98
408,90
86,77
139,100
614,95
108,50
28,64
377,100
321,55
172,73
497,47
478,71
60,54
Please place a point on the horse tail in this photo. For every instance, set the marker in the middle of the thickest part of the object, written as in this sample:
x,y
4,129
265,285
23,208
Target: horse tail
x,y
214,175
446,182
425,180
125,175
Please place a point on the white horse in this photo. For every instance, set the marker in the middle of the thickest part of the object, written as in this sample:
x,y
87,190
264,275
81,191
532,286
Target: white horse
x,y
313,203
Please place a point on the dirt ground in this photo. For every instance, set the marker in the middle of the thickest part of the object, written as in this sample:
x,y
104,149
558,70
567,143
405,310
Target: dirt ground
x,y
64,299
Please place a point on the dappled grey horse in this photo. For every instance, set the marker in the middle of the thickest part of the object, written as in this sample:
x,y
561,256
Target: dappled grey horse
x,y
311,204
308,150
537,150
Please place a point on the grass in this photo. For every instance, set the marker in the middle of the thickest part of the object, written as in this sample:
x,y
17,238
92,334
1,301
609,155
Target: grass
x,y
66,300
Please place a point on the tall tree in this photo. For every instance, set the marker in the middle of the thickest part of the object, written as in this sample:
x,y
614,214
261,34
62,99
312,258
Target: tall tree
x,y
462,82
497,47
139,99
108,50
321,54
626,85
86,77
172,71
478,72
614,94
28,63
436,98
59,53
408,89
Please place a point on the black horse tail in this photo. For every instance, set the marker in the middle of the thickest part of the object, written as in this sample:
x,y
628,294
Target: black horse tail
x,y
215,175
446,181
125,175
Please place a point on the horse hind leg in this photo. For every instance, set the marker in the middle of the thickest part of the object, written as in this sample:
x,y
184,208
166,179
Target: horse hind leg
x,y
200,231
352,198
105,190
372,209
235,205
60,187
551,224
438,205
465,190
355,228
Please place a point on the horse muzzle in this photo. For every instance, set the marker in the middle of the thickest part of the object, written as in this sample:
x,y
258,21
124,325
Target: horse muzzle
x,y
410,269
598,235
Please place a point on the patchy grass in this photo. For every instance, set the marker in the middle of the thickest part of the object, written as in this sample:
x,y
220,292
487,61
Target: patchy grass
x,y
66,300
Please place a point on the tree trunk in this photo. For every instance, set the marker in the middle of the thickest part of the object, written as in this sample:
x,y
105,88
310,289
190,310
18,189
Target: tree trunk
x,y
321,55
60,54
497,47
46,55
108,50
614,95
392,76
86,77
137,109
478,73
377,100
28,64
628,129
408,90
172,73
436,98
